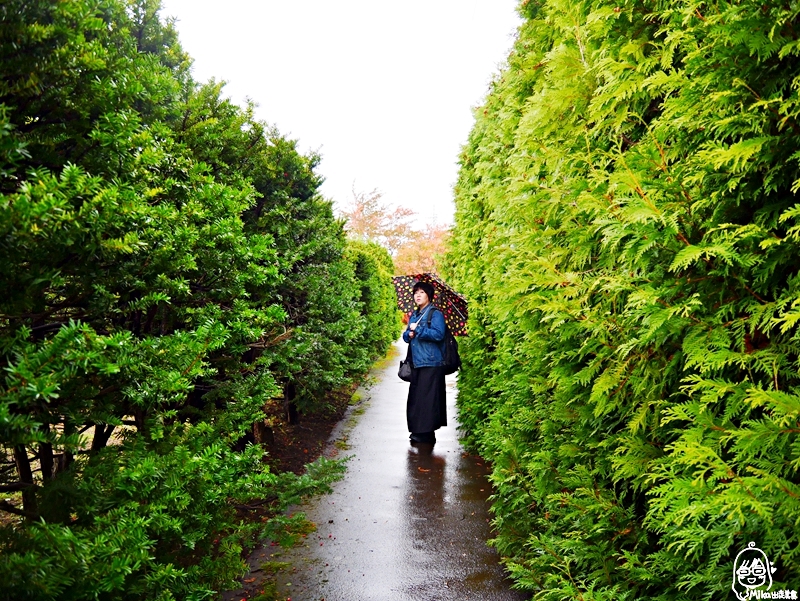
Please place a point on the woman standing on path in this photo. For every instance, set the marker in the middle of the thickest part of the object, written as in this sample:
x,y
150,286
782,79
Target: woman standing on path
x,y
425,410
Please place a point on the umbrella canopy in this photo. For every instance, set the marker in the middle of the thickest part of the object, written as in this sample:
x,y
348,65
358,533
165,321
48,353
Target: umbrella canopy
x,y
448,301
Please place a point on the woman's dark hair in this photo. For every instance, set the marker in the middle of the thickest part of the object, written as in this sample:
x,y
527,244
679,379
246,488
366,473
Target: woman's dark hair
x,y
425,287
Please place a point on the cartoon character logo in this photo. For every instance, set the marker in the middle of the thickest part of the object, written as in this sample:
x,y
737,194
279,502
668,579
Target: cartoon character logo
x,y
751,570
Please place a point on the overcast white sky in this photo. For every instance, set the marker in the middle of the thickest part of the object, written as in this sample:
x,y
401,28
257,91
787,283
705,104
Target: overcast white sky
x,y
383,90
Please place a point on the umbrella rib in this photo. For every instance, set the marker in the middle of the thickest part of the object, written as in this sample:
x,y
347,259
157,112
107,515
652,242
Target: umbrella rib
x,y
457,311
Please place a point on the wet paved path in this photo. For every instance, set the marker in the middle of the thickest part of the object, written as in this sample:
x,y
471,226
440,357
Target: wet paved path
x,y
405,523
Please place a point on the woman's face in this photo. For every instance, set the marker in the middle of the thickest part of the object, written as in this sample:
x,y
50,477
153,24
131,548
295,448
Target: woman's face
x,y
420,298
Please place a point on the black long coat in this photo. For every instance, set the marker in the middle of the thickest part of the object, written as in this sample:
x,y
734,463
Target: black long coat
x,y
426,408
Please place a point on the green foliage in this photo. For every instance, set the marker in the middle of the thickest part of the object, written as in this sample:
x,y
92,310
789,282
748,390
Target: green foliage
x,y
626,235
332,333
164,527
373,272
167,267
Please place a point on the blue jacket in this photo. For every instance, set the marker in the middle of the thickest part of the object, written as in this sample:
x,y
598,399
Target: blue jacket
x,y
427,345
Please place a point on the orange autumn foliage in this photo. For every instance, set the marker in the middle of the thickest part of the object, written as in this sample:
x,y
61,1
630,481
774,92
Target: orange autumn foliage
x,y
413,251
424,251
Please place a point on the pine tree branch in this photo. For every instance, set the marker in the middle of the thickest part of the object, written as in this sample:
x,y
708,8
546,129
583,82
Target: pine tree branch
x,y
16,486
8,507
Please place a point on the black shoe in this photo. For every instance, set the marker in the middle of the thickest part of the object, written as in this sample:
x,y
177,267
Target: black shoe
x,y
426,437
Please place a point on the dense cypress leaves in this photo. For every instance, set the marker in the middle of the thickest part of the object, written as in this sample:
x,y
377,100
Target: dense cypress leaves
x,y
167,267
627,234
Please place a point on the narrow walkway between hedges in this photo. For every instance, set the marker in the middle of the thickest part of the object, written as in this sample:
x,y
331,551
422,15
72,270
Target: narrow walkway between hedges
x,y
405,523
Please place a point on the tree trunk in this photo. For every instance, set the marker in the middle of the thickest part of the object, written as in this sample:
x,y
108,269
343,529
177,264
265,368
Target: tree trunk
x,y
140,418
46,455
65,459
289,394
102,432
264,435
26,477
46,461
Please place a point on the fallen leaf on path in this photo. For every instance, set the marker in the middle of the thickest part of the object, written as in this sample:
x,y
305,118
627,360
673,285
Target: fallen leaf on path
x,y
249,580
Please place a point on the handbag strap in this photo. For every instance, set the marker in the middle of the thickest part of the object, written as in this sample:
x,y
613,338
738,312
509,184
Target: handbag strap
x,y
409,356
430,316
428,313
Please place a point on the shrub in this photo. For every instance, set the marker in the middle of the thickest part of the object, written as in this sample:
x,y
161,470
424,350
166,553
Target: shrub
x,y
167,265
626,234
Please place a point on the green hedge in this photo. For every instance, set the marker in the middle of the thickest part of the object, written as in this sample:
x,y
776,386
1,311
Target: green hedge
x,y
627,233
167,266
373,270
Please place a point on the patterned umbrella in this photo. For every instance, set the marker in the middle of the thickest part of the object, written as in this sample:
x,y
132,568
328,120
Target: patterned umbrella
x,y
447,300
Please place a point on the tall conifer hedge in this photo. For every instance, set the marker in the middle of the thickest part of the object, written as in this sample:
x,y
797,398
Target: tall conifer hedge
x,y
628,235
167,266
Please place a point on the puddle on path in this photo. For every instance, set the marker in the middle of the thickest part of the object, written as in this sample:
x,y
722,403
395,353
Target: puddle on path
x,y
406,523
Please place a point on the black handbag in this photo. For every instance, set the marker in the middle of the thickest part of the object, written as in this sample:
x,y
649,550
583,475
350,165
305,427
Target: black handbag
x,y
404,373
